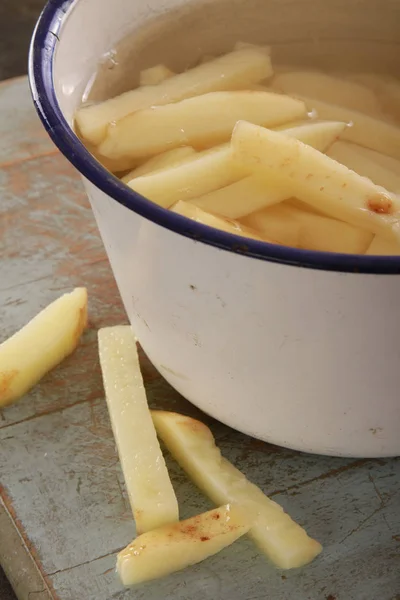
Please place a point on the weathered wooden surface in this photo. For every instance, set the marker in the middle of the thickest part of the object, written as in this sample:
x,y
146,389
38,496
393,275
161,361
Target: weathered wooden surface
x,y
64,513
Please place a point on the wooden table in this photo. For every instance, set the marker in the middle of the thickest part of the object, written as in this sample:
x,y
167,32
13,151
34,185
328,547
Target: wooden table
x,y
64,513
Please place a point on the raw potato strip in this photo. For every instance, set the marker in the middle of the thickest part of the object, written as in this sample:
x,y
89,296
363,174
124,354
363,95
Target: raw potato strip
x,y
155,75
370,80
214,169
364,130
389,95
209,171
196,214
387,162
303,206
207,58
381,247
328,89
318,180
161,161
41,345
348,155
253,193
260,88
241,198
320,135
242,45
387,89
115,166
192,444
149,488
201,122
233,70
276,223
174,547
293,227
118,165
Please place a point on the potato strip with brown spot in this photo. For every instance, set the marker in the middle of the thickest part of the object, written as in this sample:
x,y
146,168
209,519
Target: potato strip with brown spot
x,y
317,179
176,546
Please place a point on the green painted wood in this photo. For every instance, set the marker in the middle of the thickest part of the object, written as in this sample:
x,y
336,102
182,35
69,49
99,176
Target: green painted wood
x,y
65,513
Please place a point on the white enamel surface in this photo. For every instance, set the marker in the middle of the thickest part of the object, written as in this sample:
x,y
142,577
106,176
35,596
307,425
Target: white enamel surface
x,y
302,358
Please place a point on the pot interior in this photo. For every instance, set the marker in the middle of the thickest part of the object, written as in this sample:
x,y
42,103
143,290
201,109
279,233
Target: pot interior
x,y
335,35
125,37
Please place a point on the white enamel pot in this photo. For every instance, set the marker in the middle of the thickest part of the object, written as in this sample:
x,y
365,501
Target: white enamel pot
x,y
298,348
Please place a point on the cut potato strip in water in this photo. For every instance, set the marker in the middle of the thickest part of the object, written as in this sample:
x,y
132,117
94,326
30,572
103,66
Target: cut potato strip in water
x,y
170,158
303,206
207,58
327,88
243,45
192,444
200,122
253,193
276,223
174,547
113,165
298,228
317,179
197,214
118,165
236,69
348,154
258,87
320,135
389,96
386,88
370,80
242,197
364,130
387,162
210,170
149,488
41,345
382,247
155,75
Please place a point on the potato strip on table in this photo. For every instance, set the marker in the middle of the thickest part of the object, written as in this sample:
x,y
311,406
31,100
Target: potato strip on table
x,y
149,487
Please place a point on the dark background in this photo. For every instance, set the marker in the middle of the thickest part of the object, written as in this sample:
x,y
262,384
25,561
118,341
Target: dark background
x,y
17,20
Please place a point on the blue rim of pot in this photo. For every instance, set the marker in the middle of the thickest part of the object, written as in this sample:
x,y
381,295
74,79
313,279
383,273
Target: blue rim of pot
x,y
41,59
